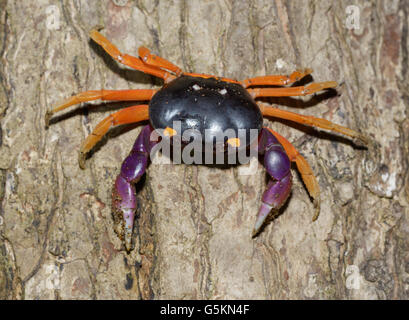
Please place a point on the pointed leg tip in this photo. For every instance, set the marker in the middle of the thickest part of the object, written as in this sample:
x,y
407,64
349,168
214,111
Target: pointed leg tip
x,y
263,213
317,207
81,160
95,35
47,119
319,86
254,233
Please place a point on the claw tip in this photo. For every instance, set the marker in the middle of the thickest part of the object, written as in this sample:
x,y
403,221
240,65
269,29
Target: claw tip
x,y
264,211
363,140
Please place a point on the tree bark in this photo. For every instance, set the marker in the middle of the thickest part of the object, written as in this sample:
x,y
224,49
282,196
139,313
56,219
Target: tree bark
x,y
193,237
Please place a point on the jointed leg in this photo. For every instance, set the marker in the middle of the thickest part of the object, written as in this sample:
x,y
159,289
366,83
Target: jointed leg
x,y
277,165
156,61
128,115
305,170
291,91
312,121
128,60
276,80
113,95
123,195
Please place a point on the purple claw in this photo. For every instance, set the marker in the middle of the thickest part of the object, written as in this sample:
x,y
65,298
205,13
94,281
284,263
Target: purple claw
x,y
123,195
277,165
277,191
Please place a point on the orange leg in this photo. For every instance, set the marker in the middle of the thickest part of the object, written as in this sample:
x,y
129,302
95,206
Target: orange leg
x,y
276,80
311,121
305,170
207,76
156,61
113,95
128,60
292,91
128,115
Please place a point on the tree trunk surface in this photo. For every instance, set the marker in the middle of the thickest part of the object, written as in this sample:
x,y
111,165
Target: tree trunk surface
x,y
193,236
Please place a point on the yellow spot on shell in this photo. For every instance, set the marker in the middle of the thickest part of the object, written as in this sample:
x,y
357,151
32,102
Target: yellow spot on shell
x,y
169,132
234,142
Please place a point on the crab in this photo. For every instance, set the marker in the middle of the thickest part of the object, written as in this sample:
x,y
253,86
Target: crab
x,y
203,102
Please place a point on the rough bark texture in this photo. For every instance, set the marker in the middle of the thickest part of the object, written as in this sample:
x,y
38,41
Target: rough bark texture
x,y
193,238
